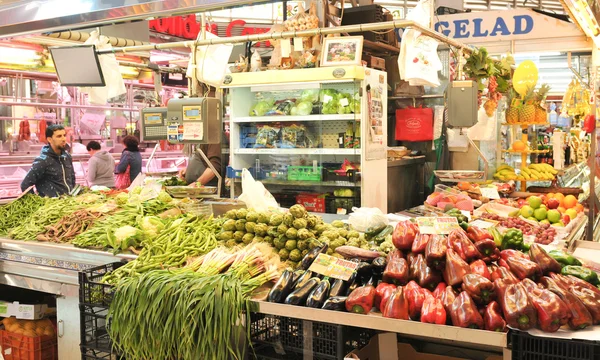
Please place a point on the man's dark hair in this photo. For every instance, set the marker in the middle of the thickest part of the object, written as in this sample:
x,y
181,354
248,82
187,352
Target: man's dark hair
x,y
131,143
93,145
50,130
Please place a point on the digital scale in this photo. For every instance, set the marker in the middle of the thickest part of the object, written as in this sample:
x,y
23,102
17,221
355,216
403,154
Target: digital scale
x,y
154,124
194,121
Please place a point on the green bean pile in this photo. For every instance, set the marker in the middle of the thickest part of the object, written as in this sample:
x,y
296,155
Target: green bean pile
x,y
184,238
13,214
49,214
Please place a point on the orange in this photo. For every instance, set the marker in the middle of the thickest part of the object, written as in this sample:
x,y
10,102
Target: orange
x,y
570,201
519,146
579,208
549,195
561,209
561,198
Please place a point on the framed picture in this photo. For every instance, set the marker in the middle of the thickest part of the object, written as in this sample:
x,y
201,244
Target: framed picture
x,y
346,50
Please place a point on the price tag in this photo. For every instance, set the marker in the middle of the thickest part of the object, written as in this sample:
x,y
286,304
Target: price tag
x,y
333,267
327,98
344,102
426,225
490,192
482,224
286,49
298,44
445,225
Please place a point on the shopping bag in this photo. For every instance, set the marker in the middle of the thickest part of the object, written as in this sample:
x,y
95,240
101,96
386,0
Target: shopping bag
x,y
255,195
123,180
414,124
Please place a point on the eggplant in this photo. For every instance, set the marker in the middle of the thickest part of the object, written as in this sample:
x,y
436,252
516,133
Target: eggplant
x,y
319,295
303,279
338,288
297,275
282,288
299,296
364,271
353,283
312,255
379,265
336,303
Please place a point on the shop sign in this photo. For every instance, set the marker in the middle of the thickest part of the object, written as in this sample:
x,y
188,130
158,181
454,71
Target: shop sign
x,y
493,26
188,27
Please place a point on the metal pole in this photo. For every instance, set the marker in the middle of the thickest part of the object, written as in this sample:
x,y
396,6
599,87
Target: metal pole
x,y
67,106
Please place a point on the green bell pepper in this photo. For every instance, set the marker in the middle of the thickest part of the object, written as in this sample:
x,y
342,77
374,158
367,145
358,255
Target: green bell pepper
x,y
464,225
581,272
563,258
525,247
512,239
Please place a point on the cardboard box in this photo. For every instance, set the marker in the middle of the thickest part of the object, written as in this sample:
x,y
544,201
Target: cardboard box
x,y
22,311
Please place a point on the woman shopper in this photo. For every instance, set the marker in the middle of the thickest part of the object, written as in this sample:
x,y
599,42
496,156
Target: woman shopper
x,y
101,166
130,163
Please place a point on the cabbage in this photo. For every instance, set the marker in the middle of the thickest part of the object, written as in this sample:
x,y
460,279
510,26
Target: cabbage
x,y
260,109
164,197
310,95
304,108
151,226
326,94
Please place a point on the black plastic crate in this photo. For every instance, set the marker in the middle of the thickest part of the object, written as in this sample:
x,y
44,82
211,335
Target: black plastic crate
x,y
93,354
91,291
94,334
274,337
528,347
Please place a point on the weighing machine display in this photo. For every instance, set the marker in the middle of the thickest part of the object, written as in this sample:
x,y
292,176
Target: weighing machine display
x,y
194,121
154,124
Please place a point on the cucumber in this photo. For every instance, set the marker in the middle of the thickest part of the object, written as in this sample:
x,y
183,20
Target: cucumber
x,y
374,230
380,237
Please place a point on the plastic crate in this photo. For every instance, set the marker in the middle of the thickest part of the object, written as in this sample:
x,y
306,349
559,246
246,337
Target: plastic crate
x,y
237,173
312,202
277,337
20,347
93,354
350,175
91,291
528,347
304,173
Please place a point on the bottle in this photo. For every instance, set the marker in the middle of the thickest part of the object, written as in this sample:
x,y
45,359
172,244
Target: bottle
x,y
357,136
349,137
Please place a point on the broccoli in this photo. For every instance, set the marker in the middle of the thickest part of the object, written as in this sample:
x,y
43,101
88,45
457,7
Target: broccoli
x,y
300,224
269,240
334,244
290,244
264,217
247,239
280,242
353,234
288,219
241,214
230,243
226,235
260,229
252,216
240,225
276,220
250,226
229,225
320,228
298,211
272,231
238,236
343,233
304,234
284,254
231,214
295,255
304,252
291,233
281,229
259,239
302,245
338,224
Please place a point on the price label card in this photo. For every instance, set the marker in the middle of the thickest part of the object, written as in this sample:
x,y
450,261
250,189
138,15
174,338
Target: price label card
x,y
344,102
426,225
445,225
327,98
333,267
490,192
298,44
482,224
286,48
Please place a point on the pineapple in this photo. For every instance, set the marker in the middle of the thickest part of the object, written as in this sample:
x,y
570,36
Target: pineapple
x,y
540,113
512,112
527,110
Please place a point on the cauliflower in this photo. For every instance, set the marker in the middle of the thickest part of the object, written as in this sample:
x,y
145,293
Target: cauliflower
x,y
264,218
288,219
238,236
247,239
151,226
290,245
291,233
126,236
298,211
252,216
164,197
302,245
231,214
260,229
241,214
280,242
276,220
300,224
284,254
230,243
338,224
295,255
304,234
250,226
229,225
282,228
240,225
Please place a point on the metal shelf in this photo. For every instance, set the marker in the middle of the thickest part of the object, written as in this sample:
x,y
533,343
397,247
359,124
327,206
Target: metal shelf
x,y
260,119
309,151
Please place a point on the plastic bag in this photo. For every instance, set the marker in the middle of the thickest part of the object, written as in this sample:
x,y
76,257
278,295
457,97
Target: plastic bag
x,y
485,129
255,195
363,218
210,62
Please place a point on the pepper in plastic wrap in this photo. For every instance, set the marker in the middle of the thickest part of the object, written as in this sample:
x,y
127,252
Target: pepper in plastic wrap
x,y
518,311
404,235
464,313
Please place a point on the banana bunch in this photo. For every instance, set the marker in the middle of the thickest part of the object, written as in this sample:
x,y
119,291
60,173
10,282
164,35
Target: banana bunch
x,y
537,172
505,173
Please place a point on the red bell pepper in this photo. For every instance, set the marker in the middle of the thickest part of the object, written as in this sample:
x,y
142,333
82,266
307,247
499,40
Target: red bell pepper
x,y
492,318
481,290
381,291
456,268
439,290
501,285
552,312
447,298
518,311
426,276
420,243
580,316
503,263
508,253
464,313
386,297
396,271
503,273
460,243
476,234
577,281
487,248
433,311
360,301
397,305
590,299
412,265
547,263
524,268
435,252
479,267
404,234
415,297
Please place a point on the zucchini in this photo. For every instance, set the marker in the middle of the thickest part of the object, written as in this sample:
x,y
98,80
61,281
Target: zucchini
x,y
380,237
374,230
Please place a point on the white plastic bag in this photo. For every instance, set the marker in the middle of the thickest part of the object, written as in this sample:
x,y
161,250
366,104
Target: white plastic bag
x,y
210,62
363,218
485,129
255,195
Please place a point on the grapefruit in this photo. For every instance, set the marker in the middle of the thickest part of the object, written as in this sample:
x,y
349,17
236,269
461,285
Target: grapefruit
x,y
570,201
526,211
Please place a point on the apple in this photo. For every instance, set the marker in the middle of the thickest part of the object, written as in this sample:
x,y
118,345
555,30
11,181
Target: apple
x,y
553,203
540,214
553,216
545,221
526,211
566,219
572,213
535,202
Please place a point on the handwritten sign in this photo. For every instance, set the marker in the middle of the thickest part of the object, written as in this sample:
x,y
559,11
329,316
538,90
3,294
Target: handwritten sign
x,y
333,267
437,225
490,192
483,224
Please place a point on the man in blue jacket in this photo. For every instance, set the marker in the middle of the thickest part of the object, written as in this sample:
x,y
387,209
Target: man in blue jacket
x,y
52,172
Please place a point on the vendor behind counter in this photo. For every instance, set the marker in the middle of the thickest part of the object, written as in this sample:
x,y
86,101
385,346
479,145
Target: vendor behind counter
x,y
198,170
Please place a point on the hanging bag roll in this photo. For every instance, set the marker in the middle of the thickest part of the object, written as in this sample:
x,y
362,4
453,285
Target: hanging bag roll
x,y
414,124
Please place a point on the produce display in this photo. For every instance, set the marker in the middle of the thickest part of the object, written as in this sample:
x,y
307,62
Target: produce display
x,y
311,101
12,214
30,328
531,172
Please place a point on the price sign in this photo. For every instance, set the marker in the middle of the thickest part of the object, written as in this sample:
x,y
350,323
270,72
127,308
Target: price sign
x,y
333,267
490,192
437,225
426,225
482,224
